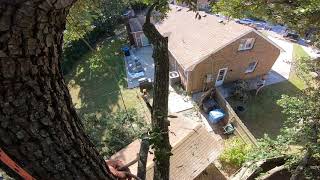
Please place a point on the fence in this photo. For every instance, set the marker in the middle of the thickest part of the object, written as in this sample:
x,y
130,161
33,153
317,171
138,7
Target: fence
x,y
241,130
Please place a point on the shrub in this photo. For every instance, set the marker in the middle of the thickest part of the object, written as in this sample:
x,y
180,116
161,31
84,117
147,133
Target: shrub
x,y
241,90
235,153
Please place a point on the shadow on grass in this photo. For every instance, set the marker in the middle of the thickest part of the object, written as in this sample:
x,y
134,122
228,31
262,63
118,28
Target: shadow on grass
x,y
263,115
96,81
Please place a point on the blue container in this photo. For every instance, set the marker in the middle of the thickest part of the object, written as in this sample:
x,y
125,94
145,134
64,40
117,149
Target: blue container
x,y
216,115
126,50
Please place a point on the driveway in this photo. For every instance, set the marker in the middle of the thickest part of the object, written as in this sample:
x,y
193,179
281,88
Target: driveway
x,y
282,66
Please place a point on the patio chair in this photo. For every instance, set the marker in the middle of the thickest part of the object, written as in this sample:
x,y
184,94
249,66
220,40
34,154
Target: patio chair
x,y
228,129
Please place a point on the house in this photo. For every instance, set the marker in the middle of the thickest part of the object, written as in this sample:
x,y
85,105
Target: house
x,y
211,51
194,149
136,31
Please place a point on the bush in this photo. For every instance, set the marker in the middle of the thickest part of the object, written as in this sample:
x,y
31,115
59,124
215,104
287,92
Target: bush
x,y
241,90
235,153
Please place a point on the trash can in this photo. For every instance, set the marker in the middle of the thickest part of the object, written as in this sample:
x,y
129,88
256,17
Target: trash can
x,y
126,51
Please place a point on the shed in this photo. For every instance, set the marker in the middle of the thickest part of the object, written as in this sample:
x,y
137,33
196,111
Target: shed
x,y
194,149
136,31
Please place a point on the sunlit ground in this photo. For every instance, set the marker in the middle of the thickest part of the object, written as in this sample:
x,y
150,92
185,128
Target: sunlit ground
x,y
263,114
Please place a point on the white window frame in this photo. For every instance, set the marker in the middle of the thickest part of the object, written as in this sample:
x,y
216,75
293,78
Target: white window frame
x,y
246,44
253,68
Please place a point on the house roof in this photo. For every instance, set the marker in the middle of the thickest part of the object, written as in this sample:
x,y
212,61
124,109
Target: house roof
x,y
191,39
193,149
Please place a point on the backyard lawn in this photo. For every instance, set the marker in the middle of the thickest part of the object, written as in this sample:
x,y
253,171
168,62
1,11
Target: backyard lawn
x,y
99,78
262,114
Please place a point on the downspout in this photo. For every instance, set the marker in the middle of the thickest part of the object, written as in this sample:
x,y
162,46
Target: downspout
x,y
187,87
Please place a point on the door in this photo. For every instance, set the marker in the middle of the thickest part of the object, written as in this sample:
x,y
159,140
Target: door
x,y
144,40
221,75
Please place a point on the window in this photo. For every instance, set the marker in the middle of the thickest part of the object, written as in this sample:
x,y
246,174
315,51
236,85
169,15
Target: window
x,y
246,44
252,66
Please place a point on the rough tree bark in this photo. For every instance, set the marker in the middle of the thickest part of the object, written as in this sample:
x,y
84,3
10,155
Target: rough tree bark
x,y
39,127
160,123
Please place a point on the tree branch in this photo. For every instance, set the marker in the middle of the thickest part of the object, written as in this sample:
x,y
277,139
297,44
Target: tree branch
x,y
143,157
148,15
271,172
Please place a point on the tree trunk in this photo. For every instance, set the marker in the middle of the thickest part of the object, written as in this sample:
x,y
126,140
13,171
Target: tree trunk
x,y
143,157
160,123
39,127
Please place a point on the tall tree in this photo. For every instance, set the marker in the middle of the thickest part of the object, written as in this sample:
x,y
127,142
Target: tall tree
x,y
160,123
39,127
160,131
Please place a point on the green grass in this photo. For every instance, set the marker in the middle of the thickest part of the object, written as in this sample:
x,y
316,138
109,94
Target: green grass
x,y
298,52
263,114
97,80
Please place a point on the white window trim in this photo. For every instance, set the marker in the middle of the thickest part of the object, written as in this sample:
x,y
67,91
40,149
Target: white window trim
x,y
242,45
253,69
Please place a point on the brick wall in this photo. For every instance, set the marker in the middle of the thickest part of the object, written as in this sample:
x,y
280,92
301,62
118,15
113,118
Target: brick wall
x,y
236,62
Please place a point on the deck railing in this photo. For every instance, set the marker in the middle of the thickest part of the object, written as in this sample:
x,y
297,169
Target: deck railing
x,y
241,130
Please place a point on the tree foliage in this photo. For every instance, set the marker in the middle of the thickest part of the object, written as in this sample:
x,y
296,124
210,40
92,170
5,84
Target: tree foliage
x,y
80,19
112,132
86,15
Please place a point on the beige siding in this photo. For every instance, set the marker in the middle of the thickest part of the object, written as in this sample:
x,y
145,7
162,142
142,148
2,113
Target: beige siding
x,y
236,62
174,65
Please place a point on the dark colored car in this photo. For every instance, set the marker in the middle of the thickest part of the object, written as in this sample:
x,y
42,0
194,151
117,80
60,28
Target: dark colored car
x,y
292,36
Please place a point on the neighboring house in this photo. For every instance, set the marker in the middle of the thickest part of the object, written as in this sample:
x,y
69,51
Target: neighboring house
x,y
193,149
136,31
208,52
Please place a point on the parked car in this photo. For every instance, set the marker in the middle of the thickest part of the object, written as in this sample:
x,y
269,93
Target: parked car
x,y
245,21
260,25
292,36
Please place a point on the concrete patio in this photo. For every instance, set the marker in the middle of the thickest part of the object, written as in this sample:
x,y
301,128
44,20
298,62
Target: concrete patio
x,y
144,55
273,77
178,102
